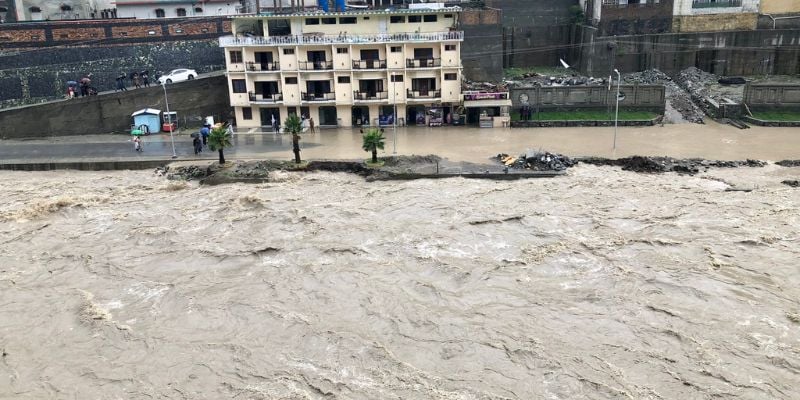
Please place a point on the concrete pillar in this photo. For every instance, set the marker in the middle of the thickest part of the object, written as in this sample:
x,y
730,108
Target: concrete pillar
x,y
345,113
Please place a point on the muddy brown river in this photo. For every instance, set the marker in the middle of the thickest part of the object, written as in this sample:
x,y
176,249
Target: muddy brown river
x,y
602,284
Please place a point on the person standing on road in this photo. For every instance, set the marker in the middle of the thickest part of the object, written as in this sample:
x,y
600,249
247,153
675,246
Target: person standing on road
x,y
121,83
274,124
136,82
311,124
86,81
137,144
198,145
204,132
146,78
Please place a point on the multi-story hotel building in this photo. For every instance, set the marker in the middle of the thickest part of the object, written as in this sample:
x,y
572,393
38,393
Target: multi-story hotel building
x,y
346,68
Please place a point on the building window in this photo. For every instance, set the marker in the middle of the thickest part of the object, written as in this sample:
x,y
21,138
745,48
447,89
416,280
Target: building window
x,y
288,51
198,10
429,18
329,21
448,15
347,20
239,85
397,78
65,7
414,18
35,9
451,77
181,12
247,113
343,79
366,18
312,21
291,80
341,50
449,47
396,49
236,57
160,13
397,19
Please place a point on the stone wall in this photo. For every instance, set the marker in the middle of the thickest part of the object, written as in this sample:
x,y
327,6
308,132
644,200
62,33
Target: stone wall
x,y
632,19
39,75
722,53
111,113
714,22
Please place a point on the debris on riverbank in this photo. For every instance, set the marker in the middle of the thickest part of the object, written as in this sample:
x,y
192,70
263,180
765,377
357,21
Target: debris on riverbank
x,y
789,163
669,164
792,183
536,161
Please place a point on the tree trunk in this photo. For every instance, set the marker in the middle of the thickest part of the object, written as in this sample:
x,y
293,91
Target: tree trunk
x,y
374,156
221,157
296,147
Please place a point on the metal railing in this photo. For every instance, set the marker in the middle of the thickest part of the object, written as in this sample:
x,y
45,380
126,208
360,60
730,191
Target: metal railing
x,y
364,96
423,62
268,66
423,94
236,41
315,65
716,3
318,96
486,96
265,98
369,64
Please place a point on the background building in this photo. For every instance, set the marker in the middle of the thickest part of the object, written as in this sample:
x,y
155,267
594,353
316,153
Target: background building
x,y
345,68
144,9
35,10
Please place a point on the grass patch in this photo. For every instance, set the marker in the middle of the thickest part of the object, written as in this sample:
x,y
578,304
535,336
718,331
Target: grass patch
x,y
588,115
370,164
777,115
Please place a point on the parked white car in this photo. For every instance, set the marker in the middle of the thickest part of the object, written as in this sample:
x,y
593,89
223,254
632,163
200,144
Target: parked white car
x,y
177,75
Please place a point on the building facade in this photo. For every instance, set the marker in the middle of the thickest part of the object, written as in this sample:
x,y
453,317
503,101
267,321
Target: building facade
x,y
349,68
147,9
714,15
39,10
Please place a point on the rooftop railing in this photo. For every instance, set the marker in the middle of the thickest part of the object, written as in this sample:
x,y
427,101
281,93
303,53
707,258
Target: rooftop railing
x,y
235,41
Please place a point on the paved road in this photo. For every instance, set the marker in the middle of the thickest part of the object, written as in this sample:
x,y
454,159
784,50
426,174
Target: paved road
x,y
713,141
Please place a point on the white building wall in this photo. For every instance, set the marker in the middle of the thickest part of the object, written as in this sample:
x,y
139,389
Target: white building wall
x,y
684,7
148,11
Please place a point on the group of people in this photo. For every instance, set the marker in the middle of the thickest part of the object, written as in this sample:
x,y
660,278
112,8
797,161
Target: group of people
x,y
82,87
306,123
138,79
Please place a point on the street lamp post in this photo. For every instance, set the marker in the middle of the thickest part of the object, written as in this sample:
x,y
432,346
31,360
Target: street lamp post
x,y
616,112
169,120
394,119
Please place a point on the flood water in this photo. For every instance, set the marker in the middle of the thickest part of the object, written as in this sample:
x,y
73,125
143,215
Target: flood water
x,y
602,284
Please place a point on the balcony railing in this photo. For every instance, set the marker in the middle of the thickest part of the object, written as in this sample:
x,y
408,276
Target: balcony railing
x,y
369,64
318,96
423,62
265,98
238,41
268,66
365,96
486,96
315,65
423,94
716,3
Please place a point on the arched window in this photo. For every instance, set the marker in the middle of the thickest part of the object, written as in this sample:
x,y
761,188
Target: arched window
x,y
160,13
181,12
198,10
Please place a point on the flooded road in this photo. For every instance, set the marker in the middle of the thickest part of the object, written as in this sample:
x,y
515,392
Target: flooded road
x,y
711,141
602,284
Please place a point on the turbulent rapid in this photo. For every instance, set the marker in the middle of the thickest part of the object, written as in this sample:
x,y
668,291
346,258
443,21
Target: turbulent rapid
x,y
602,284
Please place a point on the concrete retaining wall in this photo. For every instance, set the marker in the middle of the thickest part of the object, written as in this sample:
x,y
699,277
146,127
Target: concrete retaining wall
x,y
582,123
722,53
638,97
760,122
762,97
111,113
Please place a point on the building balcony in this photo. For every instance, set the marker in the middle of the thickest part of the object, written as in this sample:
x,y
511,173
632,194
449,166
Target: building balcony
x,y
423,94
716,3
269,66
423,62
318,97
412,37
315,65
369,64
359,96
259,98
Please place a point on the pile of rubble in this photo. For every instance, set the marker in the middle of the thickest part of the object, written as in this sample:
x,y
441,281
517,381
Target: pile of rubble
x,y
677,98
536,161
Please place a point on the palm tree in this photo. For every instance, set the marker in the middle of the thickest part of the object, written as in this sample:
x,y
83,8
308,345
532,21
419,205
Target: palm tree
x,y
373,140
219,139
293,126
